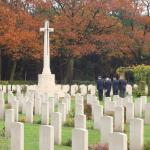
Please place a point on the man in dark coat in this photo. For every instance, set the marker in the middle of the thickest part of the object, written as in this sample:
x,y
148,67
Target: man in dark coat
x,y
100,87
122,87
107,87
115,86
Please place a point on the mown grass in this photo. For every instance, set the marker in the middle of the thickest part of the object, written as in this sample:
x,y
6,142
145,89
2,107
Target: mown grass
x,y
32,134
32,137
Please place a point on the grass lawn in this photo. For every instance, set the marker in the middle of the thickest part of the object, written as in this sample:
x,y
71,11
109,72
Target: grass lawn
x,y
32,137
32,134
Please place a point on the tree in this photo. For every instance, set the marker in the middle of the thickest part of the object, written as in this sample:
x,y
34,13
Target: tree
x,y
17,32
84,27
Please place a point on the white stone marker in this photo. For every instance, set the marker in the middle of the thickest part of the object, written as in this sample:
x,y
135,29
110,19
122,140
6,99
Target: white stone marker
x,y
136,134
29,111
69,102
46,141
89,99
46,63
17,136
9,119
115,97
62,110
118,141
119,102
79,99
56,122
45,113
144,102
79,109
79,139
2,108
119,119
51,106
98,113
106,104
147,114
24,105
138,108
37,106
15,106
106,128
112,105
129,111
66,101
20,99
80,121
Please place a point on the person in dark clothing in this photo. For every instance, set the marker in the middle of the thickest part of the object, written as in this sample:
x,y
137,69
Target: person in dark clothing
x,y
107,87
115,86
122,87
100,87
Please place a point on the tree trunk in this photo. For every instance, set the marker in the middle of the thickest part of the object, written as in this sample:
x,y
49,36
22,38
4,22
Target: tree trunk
x,y
13,71
0,64
70,71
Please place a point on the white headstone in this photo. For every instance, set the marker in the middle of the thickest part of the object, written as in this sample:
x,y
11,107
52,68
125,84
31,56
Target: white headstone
x,y
119,119
80,121
144,102
29,112
79,99
98,113
9,119
45,113
107,105
62,110
147,114
2,107
15,106
79,109
106,128
56,122
51,106
89,99
138,108
118,141
129,111
136,134
17,136
79,139
46,137
37,106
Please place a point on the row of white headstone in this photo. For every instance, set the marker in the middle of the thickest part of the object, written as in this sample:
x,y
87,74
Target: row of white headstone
x,y
80,133
84,89
111,129
16,131
65,88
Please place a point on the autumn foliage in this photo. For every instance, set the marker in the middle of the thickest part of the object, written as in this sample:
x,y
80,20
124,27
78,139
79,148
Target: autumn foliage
x,y
116,28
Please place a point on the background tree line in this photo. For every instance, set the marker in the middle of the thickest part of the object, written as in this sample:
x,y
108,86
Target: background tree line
x,y
91,37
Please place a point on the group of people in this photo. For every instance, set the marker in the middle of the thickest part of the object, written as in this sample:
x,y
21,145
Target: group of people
x,y
104,86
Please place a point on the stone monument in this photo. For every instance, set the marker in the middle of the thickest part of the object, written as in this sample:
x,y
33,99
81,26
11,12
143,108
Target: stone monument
x,y
46,80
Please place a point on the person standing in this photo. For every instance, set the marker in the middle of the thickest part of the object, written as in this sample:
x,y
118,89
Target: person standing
x,y
122,87
115,86
107,87
100,87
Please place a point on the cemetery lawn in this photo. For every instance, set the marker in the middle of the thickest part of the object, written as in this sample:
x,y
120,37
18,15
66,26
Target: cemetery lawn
x,y
32,134
32,137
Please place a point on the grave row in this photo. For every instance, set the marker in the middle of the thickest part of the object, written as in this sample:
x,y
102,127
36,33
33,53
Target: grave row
x,y
122,110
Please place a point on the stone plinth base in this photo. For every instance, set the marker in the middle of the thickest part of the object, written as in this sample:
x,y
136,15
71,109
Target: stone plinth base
x,y
46,84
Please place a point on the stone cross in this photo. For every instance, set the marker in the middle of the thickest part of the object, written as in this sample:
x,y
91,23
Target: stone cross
x,y
46,61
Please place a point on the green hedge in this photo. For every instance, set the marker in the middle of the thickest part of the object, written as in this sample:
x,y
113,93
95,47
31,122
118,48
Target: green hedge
x,y
140,72
18,82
